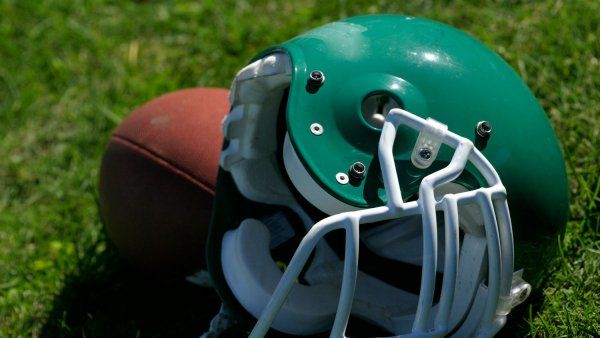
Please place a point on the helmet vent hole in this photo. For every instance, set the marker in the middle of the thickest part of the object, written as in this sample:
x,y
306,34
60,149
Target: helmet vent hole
x,y
375,108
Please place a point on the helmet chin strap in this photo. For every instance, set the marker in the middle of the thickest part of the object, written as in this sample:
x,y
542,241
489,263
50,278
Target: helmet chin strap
x,y
492,302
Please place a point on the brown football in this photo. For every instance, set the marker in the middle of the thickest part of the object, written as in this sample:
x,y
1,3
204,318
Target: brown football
x,y
158,177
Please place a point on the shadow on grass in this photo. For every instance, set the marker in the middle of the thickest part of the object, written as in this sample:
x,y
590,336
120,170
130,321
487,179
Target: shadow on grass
x,y
106,298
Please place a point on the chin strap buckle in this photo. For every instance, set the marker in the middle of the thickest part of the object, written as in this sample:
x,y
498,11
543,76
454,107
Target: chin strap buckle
x,y
519,291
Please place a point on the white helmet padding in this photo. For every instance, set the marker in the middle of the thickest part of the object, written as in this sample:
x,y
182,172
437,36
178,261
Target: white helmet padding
x,y
252,275
248,266
250,129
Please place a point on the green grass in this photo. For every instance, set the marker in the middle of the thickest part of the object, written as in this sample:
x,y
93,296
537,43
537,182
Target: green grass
x,y
71,70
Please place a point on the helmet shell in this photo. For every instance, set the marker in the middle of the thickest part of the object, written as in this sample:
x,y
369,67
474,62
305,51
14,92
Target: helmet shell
x,y
432,70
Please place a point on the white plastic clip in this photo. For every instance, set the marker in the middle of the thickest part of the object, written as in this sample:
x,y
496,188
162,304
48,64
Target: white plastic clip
x,y
519,291
428,144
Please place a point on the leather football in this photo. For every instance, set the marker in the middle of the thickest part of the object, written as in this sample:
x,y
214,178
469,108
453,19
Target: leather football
x,y
157,181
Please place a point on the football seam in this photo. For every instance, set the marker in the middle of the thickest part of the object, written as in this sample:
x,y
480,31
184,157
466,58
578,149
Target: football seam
x,y
163,162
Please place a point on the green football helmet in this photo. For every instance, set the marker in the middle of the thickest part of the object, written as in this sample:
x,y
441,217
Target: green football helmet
x,y
399,137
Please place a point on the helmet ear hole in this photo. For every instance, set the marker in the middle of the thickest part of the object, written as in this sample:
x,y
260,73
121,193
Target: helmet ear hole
x,y
376,106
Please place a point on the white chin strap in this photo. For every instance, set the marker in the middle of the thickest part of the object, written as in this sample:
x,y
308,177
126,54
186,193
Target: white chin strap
x,y
487,313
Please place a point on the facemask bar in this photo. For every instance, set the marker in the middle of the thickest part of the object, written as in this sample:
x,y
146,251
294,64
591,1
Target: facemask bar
x,y
497,228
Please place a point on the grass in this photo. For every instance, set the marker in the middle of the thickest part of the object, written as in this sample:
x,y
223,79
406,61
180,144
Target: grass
x,y
71,70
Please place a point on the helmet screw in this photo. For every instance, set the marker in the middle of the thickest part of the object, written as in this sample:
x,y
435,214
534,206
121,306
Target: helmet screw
x,y
357,171
425,153
483,130
316,78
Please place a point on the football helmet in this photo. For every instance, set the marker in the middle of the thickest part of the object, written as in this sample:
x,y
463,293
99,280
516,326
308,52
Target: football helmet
x,y
397,137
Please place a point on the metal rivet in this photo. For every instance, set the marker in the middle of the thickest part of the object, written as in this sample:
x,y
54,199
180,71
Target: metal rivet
x,y
483,130
316,78
425,153
316,129
357,171
342,178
